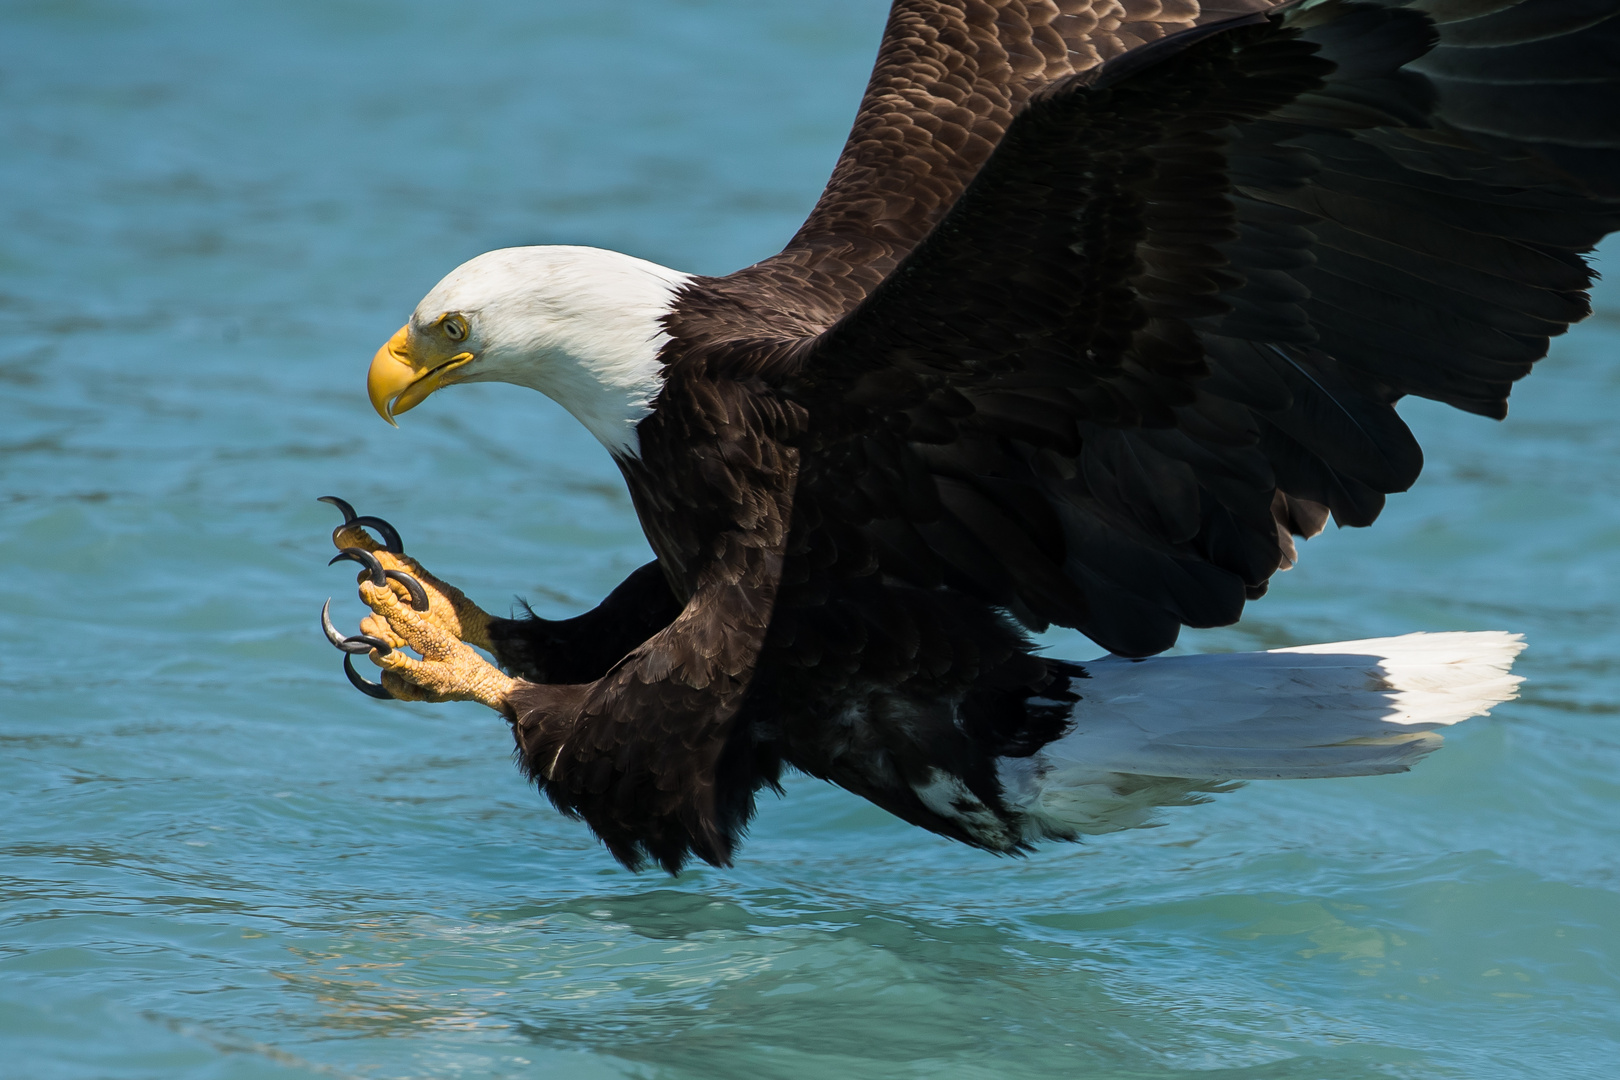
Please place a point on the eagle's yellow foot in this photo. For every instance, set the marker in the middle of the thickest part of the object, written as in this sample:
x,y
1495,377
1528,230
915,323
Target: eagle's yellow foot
x,y
449,669
447,605
412,609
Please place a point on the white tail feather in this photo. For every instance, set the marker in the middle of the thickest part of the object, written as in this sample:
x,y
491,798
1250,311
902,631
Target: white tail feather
x,y
1165,730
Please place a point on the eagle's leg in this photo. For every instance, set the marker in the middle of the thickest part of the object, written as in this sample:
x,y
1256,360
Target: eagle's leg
x,y
449,669
447,606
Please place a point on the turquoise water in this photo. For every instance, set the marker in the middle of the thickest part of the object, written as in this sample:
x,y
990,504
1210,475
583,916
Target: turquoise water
x,y
217,860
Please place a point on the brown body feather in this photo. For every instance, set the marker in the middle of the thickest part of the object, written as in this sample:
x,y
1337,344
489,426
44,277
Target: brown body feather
x,y
1068,342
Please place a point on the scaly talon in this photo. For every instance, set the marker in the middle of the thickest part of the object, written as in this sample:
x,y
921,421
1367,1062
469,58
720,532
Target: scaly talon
x,y
439,619
419,596
445,604
380,576
448,670
374,625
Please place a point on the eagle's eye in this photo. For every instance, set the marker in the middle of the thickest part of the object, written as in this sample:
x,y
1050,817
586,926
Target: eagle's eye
x,y
455,328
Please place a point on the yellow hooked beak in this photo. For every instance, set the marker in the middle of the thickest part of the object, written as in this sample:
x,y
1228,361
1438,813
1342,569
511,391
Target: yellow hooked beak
x,y
399,380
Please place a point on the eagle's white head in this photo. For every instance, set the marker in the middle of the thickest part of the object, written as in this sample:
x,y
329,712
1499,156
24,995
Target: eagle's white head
x,y
581,325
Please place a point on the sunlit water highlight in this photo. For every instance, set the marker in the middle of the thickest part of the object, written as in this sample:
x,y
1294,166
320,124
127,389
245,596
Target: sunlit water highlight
x,y
217,860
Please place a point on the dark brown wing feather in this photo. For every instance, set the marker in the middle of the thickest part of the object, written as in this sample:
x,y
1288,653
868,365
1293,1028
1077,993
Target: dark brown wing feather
x,y
950,75
1542,75
1169,319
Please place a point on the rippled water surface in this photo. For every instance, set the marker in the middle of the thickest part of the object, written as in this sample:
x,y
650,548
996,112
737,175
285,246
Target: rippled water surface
x,y
217,860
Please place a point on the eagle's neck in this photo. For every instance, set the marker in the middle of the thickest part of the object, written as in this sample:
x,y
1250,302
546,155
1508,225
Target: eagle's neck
x,y
590,336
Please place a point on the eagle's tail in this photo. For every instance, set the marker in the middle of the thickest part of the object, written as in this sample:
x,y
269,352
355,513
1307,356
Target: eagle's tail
x,y
1167,730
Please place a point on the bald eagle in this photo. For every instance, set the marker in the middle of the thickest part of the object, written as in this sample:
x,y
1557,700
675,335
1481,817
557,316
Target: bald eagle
x,y
1106,303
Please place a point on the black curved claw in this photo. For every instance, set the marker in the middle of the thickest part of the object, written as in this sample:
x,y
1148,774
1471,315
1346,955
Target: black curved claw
x,y
389,534
343,507
359,643
379,576
365,686
354,643
419,599
333,634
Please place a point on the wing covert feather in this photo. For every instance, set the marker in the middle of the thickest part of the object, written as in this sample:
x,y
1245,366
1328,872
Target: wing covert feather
x,y
949,77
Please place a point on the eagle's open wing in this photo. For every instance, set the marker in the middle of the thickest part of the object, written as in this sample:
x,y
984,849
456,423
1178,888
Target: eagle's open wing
x,y
948,80
1166,323
949,77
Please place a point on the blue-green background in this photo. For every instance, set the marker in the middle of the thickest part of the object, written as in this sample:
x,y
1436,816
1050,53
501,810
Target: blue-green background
x,y
217,860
